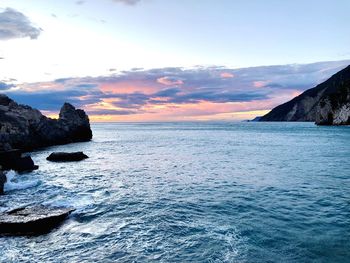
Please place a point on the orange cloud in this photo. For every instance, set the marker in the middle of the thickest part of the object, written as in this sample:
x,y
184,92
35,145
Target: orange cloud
x,y
226,75
203,110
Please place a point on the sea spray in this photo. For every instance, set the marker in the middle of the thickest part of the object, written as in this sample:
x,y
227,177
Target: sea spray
x,y
79,202
14,182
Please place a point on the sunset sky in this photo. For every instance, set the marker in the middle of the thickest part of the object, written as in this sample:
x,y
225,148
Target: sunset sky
x,y
167,60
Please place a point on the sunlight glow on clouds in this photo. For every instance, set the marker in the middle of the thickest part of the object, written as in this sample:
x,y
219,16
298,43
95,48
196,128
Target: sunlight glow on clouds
x,y
168,94
226,75
260,83
169,81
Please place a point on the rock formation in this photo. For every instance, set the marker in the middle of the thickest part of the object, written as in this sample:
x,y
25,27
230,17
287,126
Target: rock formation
x,y
334,108
25,128
327,104
66,157
13,160
3,180
32,220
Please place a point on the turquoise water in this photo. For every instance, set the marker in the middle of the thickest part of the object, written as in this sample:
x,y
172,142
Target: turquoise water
x,y
193,192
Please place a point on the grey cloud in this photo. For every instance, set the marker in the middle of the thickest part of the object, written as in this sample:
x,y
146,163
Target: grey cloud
x,y
167,92
14,24
53,100
133,100
220,97
127,2
5,86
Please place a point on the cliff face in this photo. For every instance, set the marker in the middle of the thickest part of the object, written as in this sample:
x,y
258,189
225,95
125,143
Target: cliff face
x,y
328,103
334,109
25,128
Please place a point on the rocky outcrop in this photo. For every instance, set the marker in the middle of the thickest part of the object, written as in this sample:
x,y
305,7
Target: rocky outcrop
x,y
3,180
328,103
25,128
32,220
334,109
66,157
13,160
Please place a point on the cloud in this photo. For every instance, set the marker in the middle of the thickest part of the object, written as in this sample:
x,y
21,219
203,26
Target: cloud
x,y
126,101
5,86
14,24
52,100
111,112
219,97
128,2
260,83
167,92
170,81
174,92
226,75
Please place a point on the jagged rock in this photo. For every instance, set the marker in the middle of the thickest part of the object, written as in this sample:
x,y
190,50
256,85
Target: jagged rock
x,y
66,157
25,128
13,160
3,180
334,108
328,103
76,123
32,220
25,164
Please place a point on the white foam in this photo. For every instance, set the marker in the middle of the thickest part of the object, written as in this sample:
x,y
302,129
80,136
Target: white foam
x,y
59,203
79,203
13,183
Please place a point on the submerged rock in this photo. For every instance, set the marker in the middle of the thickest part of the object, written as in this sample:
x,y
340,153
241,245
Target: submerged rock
x,y
32,220
3,180
25,128
13,160
66,157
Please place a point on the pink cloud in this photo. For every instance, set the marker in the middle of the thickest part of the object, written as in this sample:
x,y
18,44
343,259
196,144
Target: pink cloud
x,y
260,83
226,75
128,87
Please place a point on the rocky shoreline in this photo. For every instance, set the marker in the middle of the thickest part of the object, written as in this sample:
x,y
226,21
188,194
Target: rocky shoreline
x,y
23,129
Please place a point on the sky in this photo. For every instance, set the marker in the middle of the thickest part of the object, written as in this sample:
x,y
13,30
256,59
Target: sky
x,y
167,60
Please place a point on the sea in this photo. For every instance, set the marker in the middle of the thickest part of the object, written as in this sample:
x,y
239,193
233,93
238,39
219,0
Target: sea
x,y
192,192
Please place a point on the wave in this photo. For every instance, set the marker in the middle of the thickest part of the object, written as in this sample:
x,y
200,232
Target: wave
x,y
80,203
13,183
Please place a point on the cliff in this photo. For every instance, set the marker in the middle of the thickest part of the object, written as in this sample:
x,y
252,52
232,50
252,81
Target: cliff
x,y
327,104
25,128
